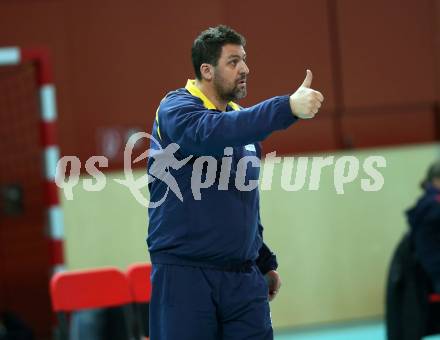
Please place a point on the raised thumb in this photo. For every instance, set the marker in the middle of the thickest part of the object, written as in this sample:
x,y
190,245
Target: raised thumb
x,y
308,80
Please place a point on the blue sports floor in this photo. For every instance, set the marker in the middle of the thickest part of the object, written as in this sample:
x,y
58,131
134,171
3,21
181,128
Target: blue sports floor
x,y
366,331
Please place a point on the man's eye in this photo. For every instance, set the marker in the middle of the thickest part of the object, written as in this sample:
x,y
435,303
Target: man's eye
x,y
234,62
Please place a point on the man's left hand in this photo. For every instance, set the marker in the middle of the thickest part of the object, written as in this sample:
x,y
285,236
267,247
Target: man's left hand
x,y
273,281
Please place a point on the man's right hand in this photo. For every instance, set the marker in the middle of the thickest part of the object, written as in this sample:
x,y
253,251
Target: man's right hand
x,y
305,102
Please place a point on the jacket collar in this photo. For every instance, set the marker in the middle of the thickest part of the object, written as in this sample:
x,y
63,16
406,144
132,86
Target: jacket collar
x,y
196,92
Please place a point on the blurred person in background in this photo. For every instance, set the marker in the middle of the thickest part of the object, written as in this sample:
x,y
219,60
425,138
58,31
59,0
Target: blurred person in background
x,y
12,327
415,268
212,275
424,221
98,324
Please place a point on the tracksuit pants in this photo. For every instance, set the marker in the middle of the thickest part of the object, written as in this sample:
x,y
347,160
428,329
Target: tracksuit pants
x,y
194,303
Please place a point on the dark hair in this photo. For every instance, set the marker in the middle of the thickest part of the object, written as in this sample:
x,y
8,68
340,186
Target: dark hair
x,y
433,172
207,47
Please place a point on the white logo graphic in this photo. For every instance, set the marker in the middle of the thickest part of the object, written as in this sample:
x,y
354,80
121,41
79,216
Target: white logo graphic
x,y
208,171
164,159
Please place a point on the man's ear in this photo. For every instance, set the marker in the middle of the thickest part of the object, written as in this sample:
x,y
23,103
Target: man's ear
x,y
206,71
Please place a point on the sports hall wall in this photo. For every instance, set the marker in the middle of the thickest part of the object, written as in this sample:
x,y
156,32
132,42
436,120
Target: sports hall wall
x,y
334,250
377,63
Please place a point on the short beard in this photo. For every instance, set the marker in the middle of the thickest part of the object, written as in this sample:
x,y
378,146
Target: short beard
x,y
227,95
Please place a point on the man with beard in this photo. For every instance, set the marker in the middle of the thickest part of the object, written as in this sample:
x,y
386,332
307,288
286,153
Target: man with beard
x,y
213,276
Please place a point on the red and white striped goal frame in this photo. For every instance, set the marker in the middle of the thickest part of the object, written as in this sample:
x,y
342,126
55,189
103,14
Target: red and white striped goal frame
x,y
10,56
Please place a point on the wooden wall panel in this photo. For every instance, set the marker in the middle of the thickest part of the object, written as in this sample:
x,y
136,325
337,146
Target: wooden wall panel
x,y
42,23
304,136
387,52
126,58
389,128
283,40
114,63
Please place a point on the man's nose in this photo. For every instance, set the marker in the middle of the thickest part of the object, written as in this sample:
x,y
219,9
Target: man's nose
x,y
245,69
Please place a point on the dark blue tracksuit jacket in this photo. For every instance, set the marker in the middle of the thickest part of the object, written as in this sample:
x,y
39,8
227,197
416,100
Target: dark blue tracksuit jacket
x,y
424,220
222,229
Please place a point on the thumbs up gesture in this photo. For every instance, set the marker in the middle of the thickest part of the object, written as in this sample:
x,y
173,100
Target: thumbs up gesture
x,y
305,102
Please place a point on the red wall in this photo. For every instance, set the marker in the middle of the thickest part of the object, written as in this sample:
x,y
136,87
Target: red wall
x,y
375,62
388,71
